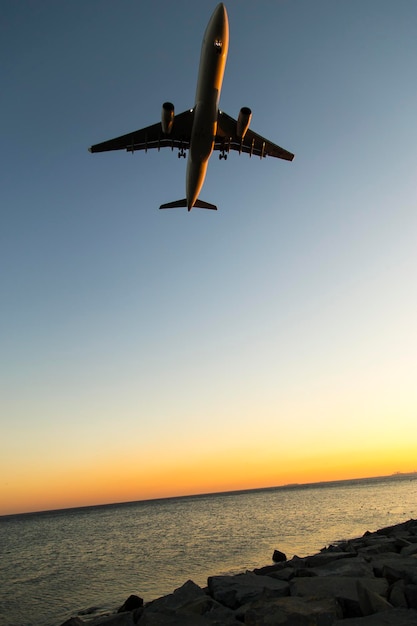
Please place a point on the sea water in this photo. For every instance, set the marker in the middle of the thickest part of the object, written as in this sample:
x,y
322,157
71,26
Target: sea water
x,y
58,564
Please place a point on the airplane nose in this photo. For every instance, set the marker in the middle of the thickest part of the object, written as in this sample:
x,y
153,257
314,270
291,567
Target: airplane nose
x,y
218,26
220,11
219,17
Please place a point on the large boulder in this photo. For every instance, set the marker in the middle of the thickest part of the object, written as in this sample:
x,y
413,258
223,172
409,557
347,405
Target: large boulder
x,y
233,591
371,602
342,588
133,602
396,595
291,611
117,619
185,595
356,566
396,617
324,558
278,556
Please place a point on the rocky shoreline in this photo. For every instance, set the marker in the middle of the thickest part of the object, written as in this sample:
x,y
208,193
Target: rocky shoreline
x,y
368,581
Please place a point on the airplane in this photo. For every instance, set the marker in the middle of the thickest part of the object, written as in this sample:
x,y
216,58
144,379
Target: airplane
x,y
203,128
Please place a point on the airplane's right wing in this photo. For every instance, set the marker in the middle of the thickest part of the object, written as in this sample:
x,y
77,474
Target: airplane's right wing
x,y
152,137
252,143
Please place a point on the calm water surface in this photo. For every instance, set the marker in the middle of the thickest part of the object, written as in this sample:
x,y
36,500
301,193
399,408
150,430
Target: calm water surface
x,y
56,564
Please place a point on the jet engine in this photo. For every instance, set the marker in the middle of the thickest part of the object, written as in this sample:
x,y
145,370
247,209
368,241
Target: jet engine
x,y
167,117
243,121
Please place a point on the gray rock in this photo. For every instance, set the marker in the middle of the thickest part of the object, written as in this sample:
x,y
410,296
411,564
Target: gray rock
x,y
195,614
133,602
356,566
334,586
371,602
268,569
283,574
399,530
184,595
118,619
396,617
404,569
411,596
395,567
323,558
73,621
292,612
396,594
233,591
172,619
409,550
343,588
278,556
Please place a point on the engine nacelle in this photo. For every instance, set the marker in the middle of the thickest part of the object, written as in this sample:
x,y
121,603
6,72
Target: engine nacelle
x,y
243,121
167,117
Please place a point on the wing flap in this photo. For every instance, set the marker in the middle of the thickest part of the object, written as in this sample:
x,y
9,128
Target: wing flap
x,y
252,144
152,137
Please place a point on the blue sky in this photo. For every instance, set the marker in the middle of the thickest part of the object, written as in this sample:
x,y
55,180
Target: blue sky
x,y
286,319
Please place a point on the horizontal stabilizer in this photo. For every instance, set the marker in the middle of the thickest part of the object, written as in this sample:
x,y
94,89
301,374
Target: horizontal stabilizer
x,y
174,205
198,204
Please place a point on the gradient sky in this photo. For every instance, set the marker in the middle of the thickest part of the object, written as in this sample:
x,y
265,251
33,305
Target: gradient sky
x,y
150,353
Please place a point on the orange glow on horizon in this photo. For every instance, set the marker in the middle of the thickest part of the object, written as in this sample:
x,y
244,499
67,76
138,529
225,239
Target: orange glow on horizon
x,y
125,480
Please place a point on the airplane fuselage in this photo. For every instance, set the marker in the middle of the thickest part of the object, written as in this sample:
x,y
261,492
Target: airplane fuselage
x,y
210,78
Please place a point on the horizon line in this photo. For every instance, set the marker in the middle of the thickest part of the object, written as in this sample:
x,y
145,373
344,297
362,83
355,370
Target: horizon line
x,y
215,493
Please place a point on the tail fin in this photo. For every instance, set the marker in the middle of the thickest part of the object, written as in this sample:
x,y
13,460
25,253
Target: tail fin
x,y
198,204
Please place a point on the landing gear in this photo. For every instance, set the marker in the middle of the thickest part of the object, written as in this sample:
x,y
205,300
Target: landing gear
x,y
223,155
181,153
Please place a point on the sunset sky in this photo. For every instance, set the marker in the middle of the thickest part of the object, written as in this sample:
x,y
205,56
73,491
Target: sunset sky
x,y
149,353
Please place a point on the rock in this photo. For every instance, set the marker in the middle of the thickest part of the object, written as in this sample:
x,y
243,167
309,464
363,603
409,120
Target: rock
x,y
278,556
356,566
118,619
402,569
283,574
233,591
323,558
411,596
395,567
409,550
267,570
396,594
173,619
133,602
396,617
371,602
342,588
292,611
89,611
408,527
185,595
73,621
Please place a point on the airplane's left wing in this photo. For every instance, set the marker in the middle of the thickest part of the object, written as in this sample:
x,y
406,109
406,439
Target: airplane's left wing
x,y
252,143
152,137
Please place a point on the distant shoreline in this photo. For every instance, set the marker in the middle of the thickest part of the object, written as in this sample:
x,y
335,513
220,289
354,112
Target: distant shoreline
x,y
328,483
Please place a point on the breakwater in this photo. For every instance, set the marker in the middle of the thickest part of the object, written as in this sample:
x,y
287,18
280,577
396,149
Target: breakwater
x,y
367,581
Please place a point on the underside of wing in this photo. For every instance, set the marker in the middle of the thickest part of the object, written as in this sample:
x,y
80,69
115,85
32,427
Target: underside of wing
x,y
252,143
152,137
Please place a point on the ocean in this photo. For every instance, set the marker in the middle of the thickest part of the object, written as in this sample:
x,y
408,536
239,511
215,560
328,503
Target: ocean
x,y
57,564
